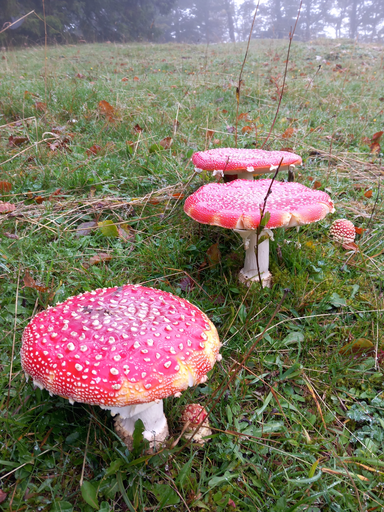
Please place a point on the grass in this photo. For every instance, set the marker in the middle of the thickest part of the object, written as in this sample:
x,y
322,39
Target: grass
x,y
301,425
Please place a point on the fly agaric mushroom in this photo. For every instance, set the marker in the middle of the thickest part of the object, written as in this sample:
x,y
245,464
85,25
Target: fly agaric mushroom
x,y
342,231
243,163
238,205
195,417
123,348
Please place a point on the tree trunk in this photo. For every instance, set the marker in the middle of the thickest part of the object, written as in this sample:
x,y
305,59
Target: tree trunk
x,y
231,28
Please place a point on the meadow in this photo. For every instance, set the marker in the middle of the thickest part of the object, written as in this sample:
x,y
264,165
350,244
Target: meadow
x,y
95,164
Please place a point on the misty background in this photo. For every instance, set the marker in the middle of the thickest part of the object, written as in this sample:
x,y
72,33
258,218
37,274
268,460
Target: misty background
x,y
186,21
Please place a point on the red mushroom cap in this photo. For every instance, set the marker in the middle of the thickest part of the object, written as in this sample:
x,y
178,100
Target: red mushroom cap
x,y
233,159
343,231
195,414
119,346
237,204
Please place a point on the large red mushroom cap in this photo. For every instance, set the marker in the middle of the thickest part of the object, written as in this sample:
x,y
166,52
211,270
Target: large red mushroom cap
x,y
119,346
232,160
238,204
343,231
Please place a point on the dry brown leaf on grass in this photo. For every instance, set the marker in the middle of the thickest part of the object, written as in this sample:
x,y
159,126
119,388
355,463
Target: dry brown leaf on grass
x,y
99,258
213,254
107,110
368,193
7,207
186,284
85,228
29,282
289,132
166,143
93,150
3,496
5,186
40,106
16,141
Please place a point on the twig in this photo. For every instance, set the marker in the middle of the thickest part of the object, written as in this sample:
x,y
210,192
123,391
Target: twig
x,y
291,34
13,344
9,25
238,88
85,453
260,227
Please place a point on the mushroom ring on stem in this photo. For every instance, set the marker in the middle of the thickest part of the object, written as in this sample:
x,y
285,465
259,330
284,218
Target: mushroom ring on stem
x,y
239,205
124,349
243,163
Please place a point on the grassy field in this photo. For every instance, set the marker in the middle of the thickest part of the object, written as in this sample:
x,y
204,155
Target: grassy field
x,y
85,137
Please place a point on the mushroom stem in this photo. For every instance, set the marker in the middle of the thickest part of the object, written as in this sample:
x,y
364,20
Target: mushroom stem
x,y
151,414
249,273
245,175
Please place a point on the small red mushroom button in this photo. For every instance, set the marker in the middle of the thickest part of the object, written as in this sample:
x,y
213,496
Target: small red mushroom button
x,y
342,231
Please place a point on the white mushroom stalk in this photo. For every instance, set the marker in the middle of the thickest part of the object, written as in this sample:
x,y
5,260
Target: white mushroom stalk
x,y
256,263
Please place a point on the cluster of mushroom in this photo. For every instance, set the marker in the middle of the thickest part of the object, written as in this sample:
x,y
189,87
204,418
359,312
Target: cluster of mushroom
x,y
242,204
125,349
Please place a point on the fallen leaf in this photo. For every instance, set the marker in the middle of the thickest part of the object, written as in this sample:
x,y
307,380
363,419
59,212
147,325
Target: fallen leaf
x,y
368,193
12,236
16,141
29,282
166,143
359,231
85,228
186,284
224,111
289,132
6,207
125,232
246,129
316,185
106,109
213,254
108,228
79,75
357,347
136,79
125,79
216,141
179,195
5,186
209,134
99,258
376,137
375,148
28,94
93,150
41,106
3,496
244,115
137,128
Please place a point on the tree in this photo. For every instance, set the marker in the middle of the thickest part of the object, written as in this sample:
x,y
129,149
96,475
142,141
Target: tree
x,y
92,20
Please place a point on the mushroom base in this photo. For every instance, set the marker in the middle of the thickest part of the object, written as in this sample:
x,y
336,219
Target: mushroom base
x,y
255,266
151,414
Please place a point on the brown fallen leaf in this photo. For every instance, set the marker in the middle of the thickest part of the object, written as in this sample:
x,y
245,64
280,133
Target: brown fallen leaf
x,y
359,231
16,141
3,496
358,347
136,79
124,79
5,186
79,75
93,150
137,128
246,129
289,132
376,137
368,193
375,148
213,254
316,185
41,106
85,228
99,258
12,236
7,207
186,284
29,282
166,143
